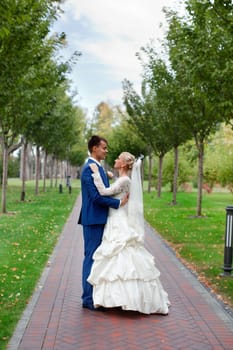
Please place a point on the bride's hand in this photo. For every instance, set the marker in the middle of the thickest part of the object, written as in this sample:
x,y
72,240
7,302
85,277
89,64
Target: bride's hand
x,y
124,200
110,174
94,167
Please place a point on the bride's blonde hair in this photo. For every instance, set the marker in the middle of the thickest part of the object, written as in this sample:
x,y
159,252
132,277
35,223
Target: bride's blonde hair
x,y
129,159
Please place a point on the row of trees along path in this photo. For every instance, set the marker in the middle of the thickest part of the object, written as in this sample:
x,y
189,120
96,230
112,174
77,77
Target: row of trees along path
x,y
34,104
187,89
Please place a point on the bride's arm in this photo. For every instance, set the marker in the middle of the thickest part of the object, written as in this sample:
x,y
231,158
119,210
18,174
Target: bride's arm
x,y
116,187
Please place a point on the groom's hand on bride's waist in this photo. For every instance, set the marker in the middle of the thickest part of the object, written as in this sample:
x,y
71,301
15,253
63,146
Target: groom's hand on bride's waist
x,y
124,200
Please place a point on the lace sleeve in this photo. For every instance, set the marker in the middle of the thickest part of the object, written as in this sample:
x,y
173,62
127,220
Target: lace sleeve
x,y
120,185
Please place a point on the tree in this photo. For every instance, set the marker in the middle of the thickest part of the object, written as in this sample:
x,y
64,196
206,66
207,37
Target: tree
x,y
25,25
194,61
125,138
78,151
219,158
145,118
103,119
162,82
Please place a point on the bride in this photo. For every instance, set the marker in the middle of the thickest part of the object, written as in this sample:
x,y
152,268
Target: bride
x,y
123,273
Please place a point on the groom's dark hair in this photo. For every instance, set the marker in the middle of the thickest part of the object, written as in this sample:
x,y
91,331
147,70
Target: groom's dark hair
x,y
95,141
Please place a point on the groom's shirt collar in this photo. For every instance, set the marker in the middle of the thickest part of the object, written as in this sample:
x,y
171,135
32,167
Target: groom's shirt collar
x,y
96,161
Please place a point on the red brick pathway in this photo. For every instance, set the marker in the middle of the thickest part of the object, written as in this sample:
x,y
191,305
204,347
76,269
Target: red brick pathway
x,y
55,320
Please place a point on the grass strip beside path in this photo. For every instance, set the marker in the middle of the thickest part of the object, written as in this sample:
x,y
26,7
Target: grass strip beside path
x,y
28,234
198,242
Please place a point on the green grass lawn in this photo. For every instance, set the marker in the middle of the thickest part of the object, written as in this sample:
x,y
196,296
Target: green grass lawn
x,y
28,234
199,242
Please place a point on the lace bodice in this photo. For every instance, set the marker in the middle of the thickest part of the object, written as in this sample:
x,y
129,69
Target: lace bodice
x,y
119,188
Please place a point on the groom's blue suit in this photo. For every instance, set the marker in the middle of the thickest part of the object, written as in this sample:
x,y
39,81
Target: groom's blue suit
x,y
93,217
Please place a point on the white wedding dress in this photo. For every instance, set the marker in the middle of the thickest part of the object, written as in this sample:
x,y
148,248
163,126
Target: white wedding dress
x,y
123,272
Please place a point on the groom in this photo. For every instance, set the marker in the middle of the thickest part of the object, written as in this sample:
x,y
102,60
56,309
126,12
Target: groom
x,y
94,211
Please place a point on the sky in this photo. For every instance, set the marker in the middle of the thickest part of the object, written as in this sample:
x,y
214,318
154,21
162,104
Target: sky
x,y
109,33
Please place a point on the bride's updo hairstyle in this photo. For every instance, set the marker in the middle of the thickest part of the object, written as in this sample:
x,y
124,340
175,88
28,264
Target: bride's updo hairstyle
x,y
129,159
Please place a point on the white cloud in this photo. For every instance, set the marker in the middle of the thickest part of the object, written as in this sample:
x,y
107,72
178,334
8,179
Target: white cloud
x,y
134,19
116,54
109,33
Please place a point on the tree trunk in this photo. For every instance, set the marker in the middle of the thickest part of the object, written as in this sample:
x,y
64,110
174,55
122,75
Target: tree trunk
x,y
200,177
23,170
4,176
45,166
37,169
149,172
175,177
56,172
160,171
51,171
62,172
30,163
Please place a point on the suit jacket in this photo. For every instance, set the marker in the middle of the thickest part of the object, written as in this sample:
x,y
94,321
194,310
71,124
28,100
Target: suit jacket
x,y
94,210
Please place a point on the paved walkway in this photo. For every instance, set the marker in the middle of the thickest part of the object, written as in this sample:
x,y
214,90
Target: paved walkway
x,y
55,320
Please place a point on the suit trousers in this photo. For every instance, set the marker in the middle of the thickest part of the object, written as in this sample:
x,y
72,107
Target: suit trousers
x,y
92,235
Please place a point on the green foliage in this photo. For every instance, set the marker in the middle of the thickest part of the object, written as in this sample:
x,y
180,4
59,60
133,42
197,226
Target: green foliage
x,y
218,166
161,83
145,118
225,173
124,138
103,120
168,171
200,52
13,166
78,150
20,50
112,123
33,100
